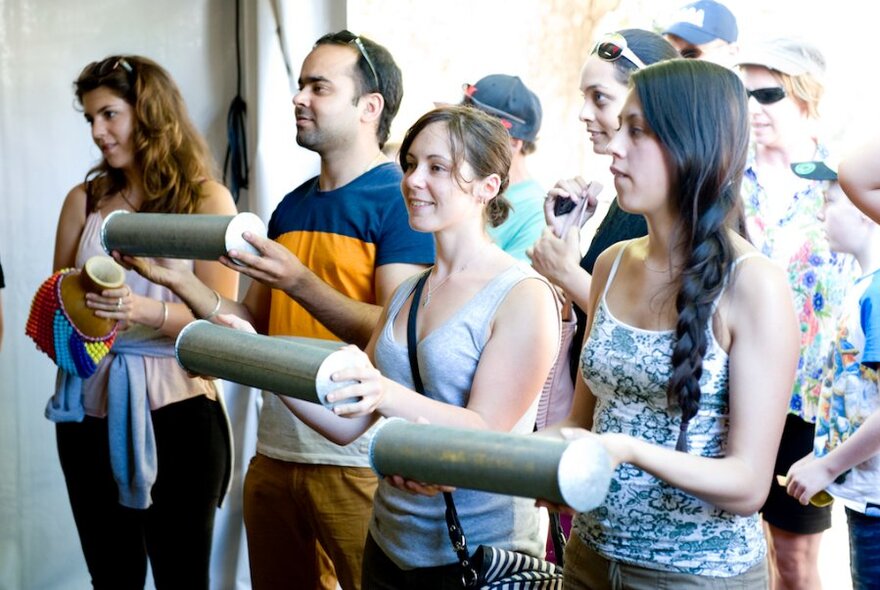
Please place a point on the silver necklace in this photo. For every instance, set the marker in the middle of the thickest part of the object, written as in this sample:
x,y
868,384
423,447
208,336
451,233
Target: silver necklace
x,y
657,270
431,289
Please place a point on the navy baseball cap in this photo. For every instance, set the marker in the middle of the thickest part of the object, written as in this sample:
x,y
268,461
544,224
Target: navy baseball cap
x,y
510,100
704,21
815,170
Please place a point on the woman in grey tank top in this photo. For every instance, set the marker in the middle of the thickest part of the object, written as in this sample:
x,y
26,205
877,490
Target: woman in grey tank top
x,y
482,365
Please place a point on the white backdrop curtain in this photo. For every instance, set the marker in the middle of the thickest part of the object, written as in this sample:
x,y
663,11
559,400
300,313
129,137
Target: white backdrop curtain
x,y
45,148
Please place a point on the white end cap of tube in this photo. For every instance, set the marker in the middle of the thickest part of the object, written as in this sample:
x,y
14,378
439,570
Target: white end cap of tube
x,y
584,473
239,224
335,361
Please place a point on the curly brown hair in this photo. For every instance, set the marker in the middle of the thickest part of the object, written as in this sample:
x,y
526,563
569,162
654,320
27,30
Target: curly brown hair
x,y
173,156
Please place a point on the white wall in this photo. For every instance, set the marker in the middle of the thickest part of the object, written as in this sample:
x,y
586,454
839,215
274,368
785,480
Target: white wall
x,y
45,148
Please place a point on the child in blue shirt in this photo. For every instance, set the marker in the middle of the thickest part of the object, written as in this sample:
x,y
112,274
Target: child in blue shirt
x,y
846,457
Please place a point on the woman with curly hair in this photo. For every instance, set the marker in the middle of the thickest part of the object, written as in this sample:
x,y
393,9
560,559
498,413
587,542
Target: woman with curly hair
x,y
691,350
155,497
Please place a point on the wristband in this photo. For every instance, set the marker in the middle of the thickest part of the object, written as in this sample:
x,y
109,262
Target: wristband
x,y
216,307
164,315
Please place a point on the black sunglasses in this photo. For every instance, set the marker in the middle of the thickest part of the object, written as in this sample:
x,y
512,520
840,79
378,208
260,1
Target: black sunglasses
x,y
768,95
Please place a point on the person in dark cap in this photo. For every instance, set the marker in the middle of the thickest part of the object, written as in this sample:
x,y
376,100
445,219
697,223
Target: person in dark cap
x,y
844,463
704,30
519,110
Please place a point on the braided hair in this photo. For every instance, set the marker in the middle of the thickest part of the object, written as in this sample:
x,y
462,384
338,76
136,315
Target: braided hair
x,y
698,111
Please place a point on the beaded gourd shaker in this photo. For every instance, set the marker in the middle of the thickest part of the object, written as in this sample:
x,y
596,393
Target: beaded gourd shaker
x,y
63,327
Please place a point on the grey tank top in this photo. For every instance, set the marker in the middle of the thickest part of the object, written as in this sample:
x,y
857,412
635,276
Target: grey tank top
x,y
411,529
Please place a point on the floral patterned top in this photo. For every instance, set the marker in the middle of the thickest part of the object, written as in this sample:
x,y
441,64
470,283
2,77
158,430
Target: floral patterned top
x,y
818,277
645,521
851,393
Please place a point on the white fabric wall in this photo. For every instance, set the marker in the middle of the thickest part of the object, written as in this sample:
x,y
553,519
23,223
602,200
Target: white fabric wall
x,y
45,148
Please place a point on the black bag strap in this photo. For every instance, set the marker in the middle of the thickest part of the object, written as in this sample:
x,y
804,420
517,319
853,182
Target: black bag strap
x,y
411,338
557,537
557,534
453,526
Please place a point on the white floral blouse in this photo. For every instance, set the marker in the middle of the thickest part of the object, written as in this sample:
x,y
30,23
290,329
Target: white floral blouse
x,y
819,278
645,521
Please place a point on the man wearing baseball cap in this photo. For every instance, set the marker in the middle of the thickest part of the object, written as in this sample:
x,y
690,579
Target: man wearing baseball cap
x,y
519,110
704,30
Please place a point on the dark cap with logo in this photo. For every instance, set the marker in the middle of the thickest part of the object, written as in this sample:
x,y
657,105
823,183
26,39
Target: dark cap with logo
x,y
510,100
815,170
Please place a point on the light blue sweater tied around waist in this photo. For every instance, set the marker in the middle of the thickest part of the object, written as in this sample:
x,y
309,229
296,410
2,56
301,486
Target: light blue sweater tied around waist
x,y
129,425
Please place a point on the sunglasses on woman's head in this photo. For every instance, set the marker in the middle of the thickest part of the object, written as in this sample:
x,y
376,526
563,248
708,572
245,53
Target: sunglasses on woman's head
x,y
612,47
767,95
109,65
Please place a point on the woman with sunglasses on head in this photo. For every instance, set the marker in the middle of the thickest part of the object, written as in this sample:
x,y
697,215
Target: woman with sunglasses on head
x,y
784,81
603,84
675,376
161,505
557,254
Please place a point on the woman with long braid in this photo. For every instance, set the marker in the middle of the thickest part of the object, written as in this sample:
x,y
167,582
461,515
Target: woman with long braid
x,y
690,351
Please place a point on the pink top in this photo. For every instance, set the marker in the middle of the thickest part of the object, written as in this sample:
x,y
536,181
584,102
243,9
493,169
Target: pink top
x,y
167,382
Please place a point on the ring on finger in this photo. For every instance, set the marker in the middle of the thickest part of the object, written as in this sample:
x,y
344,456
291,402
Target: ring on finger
x,y
119,303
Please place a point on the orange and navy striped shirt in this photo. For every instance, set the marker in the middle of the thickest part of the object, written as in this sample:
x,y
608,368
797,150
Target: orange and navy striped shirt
x,y
342,236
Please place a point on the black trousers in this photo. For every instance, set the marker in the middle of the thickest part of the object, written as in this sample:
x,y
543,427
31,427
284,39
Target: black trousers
x,y
175,531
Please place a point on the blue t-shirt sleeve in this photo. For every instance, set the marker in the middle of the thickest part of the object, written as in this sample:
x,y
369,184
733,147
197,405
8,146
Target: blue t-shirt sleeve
x,y
399,243
870,320
527,233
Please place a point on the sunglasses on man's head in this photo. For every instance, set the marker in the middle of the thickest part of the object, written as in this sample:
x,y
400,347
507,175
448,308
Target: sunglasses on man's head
x,y
612,47
359,45
767,95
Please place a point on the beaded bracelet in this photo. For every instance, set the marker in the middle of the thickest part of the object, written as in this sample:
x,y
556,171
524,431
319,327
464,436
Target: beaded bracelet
x,y
216,307
164,315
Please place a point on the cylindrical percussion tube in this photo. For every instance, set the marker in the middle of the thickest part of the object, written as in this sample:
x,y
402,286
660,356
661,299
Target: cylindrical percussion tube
x,y
576,473
171,235
294,367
